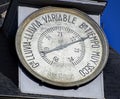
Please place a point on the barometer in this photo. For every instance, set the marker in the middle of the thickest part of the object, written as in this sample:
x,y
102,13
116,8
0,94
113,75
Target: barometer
x,y
61,46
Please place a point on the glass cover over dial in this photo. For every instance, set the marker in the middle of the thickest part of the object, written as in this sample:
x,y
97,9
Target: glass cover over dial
x,y
62,47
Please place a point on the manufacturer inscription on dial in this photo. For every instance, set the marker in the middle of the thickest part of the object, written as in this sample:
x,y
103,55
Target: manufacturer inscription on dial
x,y
61,47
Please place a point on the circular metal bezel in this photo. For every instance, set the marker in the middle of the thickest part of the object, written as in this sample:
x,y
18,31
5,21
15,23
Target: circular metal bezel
x,y
78,13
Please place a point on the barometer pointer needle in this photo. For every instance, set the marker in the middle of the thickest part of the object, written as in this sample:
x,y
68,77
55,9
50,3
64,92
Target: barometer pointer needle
x,y
63,46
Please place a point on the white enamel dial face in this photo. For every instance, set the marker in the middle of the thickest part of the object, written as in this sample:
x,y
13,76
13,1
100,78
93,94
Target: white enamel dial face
x,y
61,47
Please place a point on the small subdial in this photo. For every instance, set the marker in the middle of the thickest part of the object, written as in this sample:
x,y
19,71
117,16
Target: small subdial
x,y
61,46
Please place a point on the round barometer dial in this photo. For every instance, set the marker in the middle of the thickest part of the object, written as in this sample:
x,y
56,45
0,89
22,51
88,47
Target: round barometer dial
x,y
62,47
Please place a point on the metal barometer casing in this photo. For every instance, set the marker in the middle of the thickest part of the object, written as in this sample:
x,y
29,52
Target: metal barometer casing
x,y
60,46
